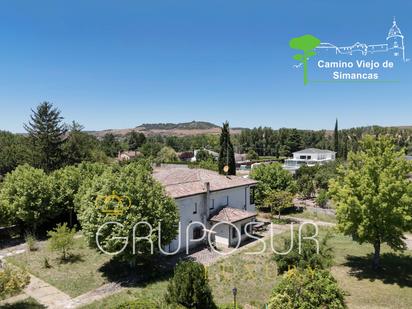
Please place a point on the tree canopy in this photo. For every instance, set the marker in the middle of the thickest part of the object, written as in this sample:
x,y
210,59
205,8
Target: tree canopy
x,y
142,198
373,195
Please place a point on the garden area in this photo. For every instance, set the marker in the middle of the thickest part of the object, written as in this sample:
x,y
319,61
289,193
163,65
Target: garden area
x,y
254,276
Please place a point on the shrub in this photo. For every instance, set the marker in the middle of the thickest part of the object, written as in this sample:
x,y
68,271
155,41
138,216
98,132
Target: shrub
x,y
189,287
322,198
31,242
307,289
61,239
12,281
308,256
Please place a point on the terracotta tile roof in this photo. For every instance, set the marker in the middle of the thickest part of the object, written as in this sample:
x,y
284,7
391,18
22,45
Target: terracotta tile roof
x,y
229,214
181,182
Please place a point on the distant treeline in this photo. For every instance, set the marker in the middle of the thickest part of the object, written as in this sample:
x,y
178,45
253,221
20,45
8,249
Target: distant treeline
x,y
51,144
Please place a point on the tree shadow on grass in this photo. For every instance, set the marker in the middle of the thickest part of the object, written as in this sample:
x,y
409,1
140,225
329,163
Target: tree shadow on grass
x,y
24,304
140,275
395,268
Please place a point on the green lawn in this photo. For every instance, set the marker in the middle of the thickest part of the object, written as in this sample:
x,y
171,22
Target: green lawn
x,y
320,216
81,274
253,275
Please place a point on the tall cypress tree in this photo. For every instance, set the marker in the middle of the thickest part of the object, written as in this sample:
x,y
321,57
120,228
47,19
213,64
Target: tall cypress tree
x,y
336,138
226,154
46,132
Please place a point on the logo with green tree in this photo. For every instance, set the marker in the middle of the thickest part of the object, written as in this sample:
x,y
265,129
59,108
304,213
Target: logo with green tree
x,y
307,43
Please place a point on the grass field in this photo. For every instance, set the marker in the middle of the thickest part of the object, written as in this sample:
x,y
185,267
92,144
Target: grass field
x,y
253,275
320,216
82,273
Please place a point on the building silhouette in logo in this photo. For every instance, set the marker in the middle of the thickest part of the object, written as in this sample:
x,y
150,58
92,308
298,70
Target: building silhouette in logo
x,y
394,46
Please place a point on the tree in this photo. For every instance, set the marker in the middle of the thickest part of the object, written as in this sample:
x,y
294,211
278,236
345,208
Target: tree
x,y
167,154
12,280
252,155
150,148
336,138
278,200
65,185
46,133
135,140
271,177
226,154
14,150
61,239
308,255
307,43
127,195
307,289
110,145
306,186
189,287
373,195
25,197
80,146
203,155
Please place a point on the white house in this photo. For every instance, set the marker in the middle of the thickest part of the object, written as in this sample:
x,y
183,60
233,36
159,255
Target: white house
x,y
309,156
211,199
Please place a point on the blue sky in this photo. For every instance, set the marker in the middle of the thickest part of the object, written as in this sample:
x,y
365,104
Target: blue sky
x,y
117,64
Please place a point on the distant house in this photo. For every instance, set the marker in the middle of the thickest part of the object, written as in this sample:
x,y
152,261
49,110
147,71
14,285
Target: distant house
x,y
216,201
310,157
128,155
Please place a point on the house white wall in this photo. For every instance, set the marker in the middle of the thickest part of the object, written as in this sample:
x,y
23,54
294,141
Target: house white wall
x,y
238,197
313,156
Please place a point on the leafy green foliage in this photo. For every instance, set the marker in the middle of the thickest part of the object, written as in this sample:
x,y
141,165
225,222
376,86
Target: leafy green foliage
x,y
226,154
189,287
308,256
252,155
207,165
278,200
148,202
80,146
203,155
110,145
61,239
14,150
150,149
271,177
135,140
307,288
322,198
46,133
167,154
373,195
25,197
12,281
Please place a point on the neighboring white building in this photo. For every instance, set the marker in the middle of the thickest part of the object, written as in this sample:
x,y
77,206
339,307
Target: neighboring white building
x,y
309,156
212,199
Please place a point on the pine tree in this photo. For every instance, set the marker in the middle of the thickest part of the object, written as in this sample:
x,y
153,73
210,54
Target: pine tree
x,y
46,132
226,154
336,138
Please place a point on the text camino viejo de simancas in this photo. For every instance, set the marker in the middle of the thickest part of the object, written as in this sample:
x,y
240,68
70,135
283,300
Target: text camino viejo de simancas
x,y
358,64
